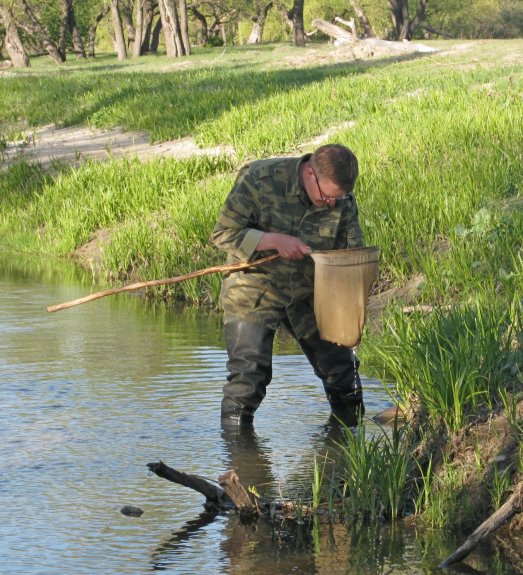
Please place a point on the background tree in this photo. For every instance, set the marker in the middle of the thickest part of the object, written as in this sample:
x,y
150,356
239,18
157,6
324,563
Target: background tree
x,y
474,18
184,26
361,15
34,26
119,39
295,14
59,27
403,26
216,18
139,7
93,27
258,21
203,28
126,11
69,26
174,18
145,11
155,36
13,44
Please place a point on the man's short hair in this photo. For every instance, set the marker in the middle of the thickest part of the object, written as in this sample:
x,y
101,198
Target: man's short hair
x,y
338,164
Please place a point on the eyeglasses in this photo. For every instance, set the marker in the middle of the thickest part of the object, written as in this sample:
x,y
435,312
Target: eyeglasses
x,y
329,200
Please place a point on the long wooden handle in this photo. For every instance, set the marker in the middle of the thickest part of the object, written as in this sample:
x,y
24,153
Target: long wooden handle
x,y
152,283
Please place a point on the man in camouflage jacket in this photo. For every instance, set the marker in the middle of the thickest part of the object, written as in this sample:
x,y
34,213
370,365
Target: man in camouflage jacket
x,y
291,206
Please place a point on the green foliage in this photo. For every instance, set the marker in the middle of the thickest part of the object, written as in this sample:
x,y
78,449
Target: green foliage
x,y
477,18
453,361
215,41
500,485
374,471
442,497
160,215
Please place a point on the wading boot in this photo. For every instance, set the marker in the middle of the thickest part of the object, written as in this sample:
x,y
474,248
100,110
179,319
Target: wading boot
x,y
249,347
236,419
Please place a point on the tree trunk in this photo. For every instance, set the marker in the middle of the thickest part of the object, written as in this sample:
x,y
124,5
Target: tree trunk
x,y
286,16
78,44
177,31
298,29
155,36
148,15
256,33
139,29
62,34
258,23
168,28
41,33
399,11
512,506
127,17
339,34
351,25
171,28
118,31
203,33
418,18
93,28
184,27
362,17
13,44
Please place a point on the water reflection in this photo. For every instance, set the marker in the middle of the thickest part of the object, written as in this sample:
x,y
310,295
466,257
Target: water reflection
x,y
92,394
250,456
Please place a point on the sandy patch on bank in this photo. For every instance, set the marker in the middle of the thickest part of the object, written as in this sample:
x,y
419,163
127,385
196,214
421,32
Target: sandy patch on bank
x,y
75,145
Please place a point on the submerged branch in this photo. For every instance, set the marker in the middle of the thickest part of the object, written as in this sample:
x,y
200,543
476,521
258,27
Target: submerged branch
x,y
213,493
231,494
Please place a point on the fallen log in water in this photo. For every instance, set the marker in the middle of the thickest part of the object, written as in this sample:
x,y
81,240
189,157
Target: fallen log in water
x,y
512,506
244,502
229,493
215,495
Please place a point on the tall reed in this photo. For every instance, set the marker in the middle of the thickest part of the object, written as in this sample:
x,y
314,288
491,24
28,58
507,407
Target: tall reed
x,y
374,469
453,361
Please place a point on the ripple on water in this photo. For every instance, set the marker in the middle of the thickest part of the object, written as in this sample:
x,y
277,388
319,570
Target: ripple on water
x,y
90,396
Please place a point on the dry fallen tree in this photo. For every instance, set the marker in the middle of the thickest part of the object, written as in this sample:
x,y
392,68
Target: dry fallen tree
x,y
341,36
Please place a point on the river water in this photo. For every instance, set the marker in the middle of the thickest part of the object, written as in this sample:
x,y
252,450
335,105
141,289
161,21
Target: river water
x,y
91,394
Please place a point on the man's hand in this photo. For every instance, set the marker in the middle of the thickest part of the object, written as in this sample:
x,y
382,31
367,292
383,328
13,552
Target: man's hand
x,y
289,247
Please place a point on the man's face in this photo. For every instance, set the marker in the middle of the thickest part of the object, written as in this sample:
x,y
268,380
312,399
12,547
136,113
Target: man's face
x,y
322,191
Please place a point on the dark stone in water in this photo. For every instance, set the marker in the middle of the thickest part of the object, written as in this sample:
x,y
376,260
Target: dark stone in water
x,y
131,511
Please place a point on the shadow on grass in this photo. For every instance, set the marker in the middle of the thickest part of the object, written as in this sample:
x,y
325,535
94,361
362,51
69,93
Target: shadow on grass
x,y
166,104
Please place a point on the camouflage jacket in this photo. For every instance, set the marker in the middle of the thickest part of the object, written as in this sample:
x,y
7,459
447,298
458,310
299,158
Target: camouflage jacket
x,y
267,197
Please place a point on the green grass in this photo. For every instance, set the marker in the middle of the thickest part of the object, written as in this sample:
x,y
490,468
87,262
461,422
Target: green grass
x,y
158,215
373,470
454,360
438,138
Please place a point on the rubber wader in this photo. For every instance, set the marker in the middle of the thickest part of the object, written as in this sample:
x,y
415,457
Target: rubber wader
x,y
249,347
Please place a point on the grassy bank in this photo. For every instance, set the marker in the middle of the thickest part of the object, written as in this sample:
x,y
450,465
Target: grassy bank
x,y
439,142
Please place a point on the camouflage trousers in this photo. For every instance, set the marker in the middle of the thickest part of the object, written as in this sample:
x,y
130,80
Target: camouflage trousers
x,y
249,348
